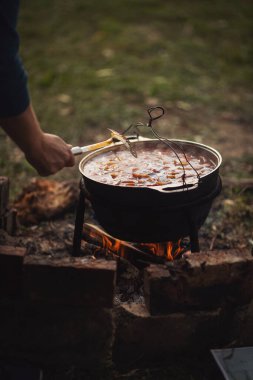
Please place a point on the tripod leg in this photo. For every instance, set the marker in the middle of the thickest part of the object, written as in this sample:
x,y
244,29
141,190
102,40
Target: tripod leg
x,y
193,231
80,210
194,239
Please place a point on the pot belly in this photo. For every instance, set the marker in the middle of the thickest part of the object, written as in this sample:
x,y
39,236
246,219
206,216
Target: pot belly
x,y
152,222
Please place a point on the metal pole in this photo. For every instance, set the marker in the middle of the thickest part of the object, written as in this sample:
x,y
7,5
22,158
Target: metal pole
x,y
80,210
193,231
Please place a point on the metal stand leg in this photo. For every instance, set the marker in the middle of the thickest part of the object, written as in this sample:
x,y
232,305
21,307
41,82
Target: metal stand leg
x,y
194,239
80,210
194,235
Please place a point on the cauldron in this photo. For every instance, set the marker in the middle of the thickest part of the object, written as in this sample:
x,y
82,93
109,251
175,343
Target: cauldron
x,y
154,213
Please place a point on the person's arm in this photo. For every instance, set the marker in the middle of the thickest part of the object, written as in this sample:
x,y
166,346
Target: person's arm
x,y
14,96
45,152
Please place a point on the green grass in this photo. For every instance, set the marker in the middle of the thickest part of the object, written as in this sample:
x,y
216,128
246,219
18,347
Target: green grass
x,y
114,57
111,57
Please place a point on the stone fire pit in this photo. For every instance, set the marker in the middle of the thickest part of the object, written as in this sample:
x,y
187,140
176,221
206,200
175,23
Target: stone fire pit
x,y
85,312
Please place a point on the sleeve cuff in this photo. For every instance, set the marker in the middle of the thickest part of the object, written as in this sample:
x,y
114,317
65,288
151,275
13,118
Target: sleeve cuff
x,y
14,95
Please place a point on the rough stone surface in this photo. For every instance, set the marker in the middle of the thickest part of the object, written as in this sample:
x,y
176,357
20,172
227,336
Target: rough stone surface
x,y
221,266
141,337
246,335
70,281
204,280
11,267
55,336
9,221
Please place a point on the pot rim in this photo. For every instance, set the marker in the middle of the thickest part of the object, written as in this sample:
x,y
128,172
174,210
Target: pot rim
x,y
144,139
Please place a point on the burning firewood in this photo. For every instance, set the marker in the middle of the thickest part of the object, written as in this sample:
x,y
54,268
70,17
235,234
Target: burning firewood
x,y
95,235
44,199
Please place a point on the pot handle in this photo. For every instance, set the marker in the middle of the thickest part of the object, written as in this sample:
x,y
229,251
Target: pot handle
x,y
166,189
76,150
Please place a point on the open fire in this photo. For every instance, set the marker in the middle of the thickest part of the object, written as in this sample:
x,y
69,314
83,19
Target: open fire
x,y
169,250
110,245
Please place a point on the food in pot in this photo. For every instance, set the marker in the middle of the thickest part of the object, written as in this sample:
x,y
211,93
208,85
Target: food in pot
x,y
153,167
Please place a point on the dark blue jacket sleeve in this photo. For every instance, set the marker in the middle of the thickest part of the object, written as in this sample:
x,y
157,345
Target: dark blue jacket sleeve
x,y
14,97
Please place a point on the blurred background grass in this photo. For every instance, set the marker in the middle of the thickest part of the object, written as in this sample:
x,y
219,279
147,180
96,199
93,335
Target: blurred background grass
x,y
97,64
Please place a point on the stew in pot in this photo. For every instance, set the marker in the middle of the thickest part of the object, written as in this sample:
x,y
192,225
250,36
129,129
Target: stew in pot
x,y
153,167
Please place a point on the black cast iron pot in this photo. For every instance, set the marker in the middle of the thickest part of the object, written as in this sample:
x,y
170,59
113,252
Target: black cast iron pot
x,y
155,213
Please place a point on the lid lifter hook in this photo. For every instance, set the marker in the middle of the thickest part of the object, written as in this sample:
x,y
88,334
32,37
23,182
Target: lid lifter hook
x,y
152,118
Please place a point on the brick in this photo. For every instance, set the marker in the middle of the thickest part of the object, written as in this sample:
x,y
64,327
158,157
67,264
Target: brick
x,y
4,194
221,266
204,280
10,221
243,322
11,271
56,336
142,338
70,281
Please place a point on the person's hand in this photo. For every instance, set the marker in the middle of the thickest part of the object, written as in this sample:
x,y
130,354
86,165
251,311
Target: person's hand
x,y
49,154
45,152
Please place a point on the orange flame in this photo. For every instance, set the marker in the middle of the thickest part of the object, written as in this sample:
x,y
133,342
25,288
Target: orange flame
x,y
113,245
168,250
